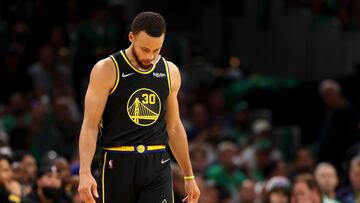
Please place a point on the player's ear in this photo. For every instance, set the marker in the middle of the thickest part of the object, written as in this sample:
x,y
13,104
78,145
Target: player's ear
x,y
131,37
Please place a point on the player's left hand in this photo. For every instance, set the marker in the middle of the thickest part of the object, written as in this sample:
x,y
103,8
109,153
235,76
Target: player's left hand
x,y
192,190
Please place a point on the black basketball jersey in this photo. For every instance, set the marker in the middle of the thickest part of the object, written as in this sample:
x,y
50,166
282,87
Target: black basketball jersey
x,y
135,110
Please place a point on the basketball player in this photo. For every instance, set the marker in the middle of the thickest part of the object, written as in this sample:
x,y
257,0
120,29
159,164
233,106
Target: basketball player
x,y
132,99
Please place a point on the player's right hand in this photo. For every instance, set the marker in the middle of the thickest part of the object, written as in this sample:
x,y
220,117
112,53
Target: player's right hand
x,y
88,188
192,190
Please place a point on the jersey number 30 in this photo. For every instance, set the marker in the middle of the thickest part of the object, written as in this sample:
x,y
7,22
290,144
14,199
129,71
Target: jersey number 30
x,y
148,98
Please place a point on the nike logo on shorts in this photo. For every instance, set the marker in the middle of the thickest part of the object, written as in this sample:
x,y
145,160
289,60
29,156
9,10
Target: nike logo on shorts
x,y
164,161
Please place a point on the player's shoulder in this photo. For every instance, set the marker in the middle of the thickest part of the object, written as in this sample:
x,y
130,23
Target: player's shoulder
x,y
175,76
104,66
105,63
174,70
104,71
171,64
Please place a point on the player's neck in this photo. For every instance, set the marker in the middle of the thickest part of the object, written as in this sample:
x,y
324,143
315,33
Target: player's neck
x,y
129,54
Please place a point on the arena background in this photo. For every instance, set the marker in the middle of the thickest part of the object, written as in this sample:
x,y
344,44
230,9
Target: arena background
x,y
251,99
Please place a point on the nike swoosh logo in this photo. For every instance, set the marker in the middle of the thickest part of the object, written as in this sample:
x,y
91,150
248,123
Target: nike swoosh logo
x,y
126,75
164,161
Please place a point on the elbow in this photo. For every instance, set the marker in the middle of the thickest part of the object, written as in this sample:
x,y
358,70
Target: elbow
x,y
174,129
89,126
171,131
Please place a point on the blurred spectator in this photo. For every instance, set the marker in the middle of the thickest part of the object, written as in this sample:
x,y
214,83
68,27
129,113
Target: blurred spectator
x,y
97,38
278,190
225,195
17,113
261,128
44,136
74,183
234,71
350,193
66,123
261,131
304,162
278,168
240,130
209,193
46,69
64,170
263,160
28,167
199,122
215,134
246,192
327,179
340,125
226,173
4,141
22,43
59,43
305,190
199,157
10,189
72,23
216,104
259,158
12,78
65,174
47,188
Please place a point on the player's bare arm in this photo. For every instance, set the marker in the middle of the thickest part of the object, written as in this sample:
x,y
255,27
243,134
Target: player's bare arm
x,y
177,135
102,79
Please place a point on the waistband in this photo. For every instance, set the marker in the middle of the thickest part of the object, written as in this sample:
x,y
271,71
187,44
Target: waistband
x,y
138,149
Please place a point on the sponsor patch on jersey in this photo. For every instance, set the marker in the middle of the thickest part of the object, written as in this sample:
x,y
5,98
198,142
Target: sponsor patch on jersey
x,y
159,75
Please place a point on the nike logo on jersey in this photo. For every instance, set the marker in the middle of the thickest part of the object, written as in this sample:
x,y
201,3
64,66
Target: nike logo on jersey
x,y
126,75
164,161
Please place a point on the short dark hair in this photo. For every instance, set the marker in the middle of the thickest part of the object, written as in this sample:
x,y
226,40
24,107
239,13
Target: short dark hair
x,y
150,22
308,179
5,157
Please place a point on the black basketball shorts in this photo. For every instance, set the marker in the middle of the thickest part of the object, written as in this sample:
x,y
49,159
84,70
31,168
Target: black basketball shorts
x,y
135,174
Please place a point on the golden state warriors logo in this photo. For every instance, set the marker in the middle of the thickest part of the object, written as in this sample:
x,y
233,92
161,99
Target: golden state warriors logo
x,y
143,107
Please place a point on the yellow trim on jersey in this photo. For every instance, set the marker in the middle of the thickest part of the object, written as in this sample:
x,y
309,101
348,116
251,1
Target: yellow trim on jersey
x,y
117,74
172,194
102,179
168,74
101,125
137,70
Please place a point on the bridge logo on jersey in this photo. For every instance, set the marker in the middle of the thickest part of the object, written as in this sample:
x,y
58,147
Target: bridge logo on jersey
x,y
143,107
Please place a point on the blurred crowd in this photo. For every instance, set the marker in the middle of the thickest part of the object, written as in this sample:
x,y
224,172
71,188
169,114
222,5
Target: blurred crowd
x,y
346,11
239,155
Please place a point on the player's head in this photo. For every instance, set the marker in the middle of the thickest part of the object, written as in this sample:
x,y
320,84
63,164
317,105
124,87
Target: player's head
x,y
147,36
